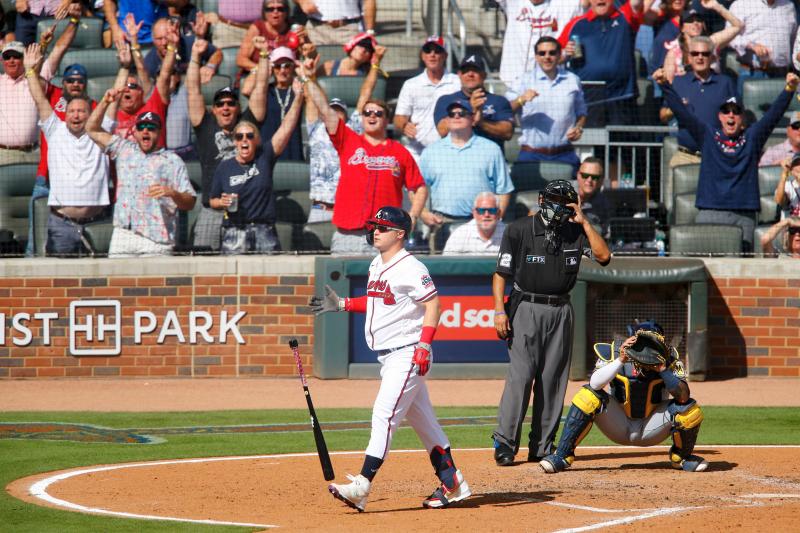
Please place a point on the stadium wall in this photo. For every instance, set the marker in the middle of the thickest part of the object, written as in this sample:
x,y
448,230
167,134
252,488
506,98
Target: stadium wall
x,y
172,313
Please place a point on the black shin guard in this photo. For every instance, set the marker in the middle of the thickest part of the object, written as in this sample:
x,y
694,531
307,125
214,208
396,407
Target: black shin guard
x,y
371,466
444,466
576,427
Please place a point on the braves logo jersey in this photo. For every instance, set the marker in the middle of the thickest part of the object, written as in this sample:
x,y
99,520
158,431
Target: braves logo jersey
x,y
395,293
638,392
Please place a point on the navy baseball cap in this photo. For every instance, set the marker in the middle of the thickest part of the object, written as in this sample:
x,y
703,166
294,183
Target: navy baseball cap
x,y
76,70
464,104
338,102
148,117
226,92
732,104
472,63
795,161
690,16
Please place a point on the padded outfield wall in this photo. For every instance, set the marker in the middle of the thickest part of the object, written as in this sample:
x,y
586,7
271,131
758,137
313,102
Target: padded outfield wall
x,y
233,316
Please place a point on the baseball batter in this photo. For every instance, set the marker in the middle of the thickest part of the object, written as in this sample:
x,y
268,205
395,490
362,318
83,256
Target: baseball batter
x,y
638,411
402,308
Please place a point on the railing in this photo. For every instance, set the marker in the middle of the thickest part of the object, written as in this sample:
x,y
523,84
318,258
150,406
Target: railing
x,y
457,54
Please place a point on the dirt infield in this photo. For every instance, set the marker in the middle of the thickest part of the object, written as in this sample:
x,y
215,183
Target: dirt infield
x,y
746,488
144,395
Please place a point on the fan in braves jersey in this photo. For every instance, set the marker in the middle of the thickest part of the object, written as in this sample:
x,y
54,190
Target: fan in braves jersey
x,y
402,308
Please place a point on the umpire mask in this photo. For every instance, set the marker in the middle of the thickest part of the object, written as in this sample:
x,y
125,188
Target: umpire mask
x,y
553,203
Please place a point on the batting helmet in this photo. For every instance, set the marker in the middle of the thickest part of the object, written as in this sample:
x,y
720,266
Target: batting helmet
x,y
553,202
392,217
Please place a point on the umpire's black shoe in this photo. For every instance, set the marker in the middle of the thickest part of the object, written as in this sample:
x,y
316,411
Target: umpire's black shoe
x,y
503,454
533,458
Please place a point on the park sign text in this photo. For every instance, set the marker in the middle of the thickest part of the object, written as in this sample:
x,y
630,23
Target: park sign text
x,y
95,327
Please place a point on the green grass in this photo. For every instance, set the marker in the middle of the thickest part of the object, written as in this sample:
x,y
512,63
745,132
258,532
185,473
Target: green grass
x,y
19,458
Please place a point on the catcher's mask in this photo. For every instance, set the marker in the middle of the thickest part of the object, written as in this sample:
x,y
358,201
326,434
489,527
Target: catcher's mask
x,y
389,217
553,203
647,325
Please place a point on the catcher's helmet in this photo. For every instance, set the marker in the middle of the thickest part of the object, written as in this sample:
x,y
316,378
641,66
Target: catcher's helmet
x,y
647,325
553,202
392,217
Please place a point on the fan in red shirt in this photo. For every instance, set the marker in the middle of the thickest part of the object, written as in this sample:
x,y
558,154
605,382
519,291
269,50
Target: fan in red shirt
x,y
374,171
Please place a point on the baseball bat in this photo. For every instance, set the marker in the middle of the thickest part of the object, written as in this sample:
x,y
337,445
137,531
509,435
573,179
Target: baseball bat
x,y
319,439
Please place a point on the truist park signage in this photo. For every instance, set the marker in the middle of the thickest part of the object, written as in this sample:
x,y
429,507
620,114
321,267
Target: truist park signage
x,y
96,327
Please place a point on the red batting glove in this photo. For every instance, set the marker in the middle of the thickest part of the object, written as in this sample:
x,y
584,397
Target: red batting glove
x,y
422,357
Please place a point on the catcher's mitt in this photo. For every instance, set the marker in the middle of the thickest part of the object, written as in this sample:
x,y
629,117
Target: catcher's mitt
x,y
649,351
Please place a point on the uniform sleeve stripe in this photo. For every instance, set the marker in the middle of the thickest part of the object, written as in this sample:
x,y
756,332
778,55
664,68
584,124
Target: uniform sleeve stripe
x,y
427,296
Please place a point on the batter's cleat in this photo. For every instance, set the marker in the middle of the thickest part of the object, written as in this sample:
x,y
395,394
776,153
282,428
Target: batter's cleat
x,y
553,464
693,463
442,496
503,454
354,494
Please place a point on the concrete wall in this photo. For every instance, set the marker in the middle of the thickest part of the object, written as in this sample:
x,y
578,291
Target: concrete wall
x,y
754,316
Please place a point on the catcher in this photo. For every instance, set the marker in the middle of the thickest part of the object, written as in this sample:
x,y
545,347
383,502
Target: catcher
x,y
643,373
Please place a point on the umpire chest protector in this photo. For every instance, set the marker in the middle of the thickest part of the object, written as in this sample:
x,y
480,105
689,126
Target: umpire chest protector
x,y
638,392
537,264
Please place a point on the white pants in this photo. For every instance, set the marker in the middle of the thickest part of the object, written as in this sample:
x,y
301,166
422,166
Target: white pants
x,y
634,431
126,243
402,396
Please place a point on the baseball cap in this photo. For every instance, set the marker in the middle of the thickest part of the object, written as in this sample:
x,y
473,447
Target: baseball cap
x,y
795,161
282,52
731,103
226,92
464,104
76,71
690,16
472,62
338,102
14,46
434,40
370,43
148,117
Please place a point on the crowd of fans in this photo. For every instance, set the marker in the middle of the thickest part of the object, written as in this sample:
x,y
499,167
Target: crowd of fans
x,y
567,65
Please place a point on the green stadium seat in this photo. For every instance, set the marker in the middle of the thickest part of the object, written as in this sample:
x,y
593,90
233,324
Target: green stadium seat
x,y
98,234
685,179
705,239
400,59
96,87
290,183
41,213
328,52
768,178
511,148
16,186
286,235
216,83
348,87
768,211
316,237
683,209
758,95
228,66
89,34
187,219
98,61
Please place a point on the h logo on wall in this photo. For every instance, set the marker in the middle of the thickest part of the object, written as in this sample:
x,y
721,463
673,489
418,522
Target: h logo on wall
x,y
95,327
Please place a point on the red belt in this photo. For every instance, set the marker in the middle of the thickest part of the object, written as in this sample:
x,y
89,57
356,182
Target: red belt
x,y
546,151
242,25
24,148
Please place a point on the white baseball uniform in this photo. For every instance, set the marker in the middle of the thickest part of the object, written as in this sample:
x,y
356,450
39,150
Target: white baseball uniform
x,y
395,293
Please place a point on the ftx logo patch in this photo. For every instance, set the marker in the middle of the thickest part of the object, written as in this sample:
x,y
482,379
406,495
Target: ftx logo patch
x,y
536,259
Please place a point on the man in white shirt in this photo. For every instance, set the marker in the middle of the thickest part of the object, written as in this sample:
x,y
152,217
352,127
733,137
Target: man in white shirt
x,y
78,167
414,114
764,47
526,22
336,21
481,235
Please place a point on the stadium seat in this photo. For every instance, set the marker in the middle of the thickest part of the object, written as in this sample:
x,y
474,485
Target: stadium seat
x,y
290,183
96,87
208,6
16,185
41,213
683,209
316,237
328,52
768,178
705,239
685,179
758,95
668,148
99,236
401,58
98,61
286,235
89,34
228,66
187,219
348,87
511,148
216,83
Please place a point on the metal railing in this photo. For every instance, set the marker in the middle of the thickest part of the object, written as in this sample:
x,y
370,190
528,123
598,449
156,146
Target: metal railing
x,y
451,40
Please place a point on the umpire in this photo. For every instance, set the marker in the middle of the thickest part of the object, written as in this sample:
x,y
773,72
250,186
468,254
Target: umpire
x,y
541,255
